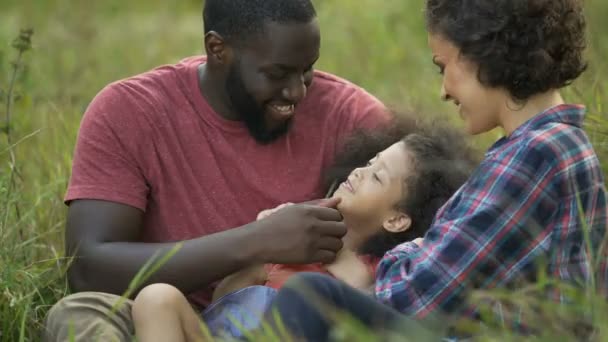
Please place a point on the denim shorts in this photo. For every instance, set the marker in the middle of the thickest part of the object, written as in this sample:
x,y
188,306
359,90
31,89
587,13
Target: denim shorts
x,y
239,311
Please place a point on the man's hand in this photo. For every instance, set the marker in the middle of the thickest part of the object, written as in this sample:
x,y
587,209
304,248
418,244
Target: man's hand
x,y
301,233
265,213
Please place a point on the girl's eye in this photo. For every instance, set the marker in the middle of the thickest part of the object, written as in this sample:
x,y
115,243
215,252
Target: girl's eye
x,y
376,177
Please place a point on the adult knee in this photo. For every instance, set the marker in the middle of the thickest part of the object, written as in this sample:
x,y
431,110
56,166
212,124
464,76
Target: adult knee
x,y
82,313
66,314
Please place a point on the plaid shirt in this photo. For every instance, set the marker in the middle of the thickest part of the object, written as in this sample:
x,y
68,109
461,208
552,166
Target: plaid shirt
x,y
520,205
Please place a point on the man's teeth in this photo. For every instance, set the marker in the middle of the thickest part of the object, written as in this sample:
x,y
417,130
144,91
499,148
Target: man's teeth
x,y
284,109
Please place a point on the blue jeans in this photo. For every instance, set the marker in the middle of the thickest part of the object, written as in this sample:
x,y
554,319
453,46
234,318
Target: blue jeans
x,y
239,311
308,302
305,306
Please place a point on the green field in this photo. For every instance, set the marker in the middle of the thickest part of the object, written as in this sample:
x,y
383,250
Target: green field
x,y
79,46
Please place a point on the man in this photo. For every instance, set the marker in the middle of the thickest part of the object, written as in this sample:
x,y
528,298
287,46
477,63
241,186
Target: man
x,y
192,152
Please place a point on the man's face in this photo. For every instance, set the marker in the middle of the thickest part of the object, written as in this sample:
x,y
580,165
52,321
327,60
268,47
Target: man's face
x,y
270,75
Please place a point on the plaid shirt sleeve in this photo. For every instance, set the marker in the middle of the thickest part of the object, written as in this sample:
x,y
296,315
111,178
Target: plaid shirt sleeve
x,y
488,232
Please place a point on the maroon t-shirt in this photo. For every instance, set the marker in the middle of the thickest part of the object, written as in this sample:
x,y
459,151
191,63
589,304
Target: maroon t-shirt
x,y
153,142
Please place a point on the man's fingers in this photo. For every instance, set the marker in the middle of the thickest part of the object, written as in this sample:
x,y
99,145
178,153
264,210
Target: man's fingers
x,y
324,256
326,214
331,229
329,202
313,202
330,243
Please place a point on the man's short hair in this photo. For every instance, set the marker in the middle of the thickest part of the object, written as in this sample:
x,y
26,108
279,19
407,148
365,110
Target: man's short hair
x,y
236,19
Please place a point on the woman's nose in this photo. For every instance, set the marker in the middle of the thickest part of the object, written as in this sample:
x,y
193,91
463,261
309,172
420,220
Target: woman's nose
x,y
442,93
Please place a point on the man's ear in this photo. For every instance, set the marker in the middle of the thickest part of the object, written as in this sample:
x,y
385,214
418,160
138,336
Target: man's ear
x,y
397,223
218,51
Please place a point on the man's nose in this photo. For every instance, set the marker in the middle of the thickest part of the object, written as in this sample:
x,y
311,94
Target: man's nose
x,y
295,91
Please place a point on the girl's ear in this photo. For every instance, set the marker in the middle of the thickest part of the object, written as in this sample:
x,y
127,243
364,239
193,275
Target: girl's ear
x,y
397,223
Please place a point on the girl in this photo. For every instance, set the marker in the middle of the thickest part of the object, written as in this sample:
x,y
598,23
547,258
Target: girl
x,y
390,199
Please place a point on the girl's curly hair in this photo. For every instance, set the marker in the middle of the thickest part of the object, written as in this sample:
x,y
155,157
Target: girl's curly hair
x,y
442,161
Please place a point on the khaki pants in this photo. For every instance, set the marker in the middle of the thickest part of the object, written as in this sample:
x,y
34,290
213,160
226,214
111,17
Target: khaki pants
x,y
86,316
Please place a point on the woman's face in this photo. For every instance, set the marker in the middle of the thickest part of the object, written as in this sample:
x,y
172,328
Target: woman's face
x,y
479,106
371,193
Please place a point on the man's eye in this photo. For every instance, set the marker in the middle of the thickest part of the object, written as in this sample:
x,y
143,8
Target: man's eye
x,y
276,75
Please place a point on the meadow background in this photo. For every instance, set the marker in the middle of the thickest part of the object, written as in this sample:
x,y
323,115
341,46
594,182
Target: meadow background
x,y
80,46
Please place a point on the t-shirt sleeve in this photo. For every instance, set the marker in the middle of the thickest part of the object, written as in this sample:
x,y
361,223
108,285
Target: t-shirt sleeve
x,y
106,164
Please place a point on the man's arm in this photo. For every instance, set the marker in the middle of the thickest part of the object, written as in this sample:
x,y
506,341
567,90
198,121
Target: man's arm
x,y
109,190
103,239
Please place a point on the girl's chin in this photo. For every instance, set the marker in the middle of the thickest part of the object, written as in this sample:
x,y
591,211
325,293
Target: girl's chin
x,y
339,195
341,208
342,205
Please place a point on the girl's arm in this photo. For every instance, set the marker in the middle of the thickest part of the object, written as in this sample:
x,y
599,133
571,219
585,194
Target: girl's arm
x,y
254,275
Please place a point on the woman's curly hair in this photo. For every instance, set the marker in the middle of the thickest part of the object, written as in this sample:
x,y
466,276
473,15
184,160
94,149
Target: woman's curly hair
x,y
525,46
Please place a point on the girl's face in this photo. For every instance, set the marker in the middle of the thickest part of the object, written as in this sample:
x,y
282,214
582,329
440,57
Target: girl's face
x,y
371,193
479,106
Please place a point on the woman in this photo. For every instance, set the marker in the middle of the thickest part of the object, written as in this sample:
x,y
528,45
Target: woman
x,y
502,63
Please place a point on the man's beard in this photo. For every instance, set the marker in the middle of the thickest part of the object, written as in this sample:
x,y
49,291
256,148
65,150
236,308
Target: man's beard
x,y
248,110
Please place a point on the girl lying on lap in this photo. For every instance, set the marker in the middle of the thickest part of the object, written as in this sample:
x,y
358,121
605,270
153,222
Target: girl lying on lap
x,y
400,179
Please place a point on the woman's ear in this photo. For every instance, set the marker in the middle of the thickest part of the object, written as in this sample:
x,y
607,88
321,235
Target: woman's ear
x,y
397,223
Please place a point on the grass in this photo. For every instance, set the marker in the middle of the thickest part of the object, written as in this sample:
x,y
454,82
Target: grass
x,y
79,46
